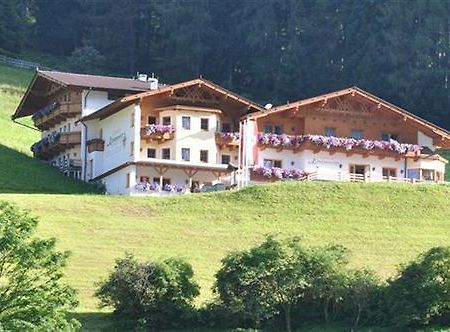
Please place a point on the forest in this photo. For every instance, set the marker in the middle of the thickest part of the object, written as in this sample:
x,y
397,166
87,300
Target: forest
x,y
271,51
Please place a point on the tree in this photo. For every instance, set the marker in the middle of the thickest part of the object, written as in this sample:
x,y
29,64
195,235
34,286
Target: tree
x,y
86,59
421,291
159,294
276,274
32,296
329,277
363,286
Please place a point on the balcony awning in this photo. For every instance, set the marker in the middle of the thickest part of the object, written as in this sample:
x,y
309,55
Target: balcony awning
x,y
172,164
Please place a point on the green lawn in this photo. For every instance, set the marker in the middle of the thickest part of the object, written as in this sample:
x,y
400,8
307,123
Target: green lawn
x,y
382,224
19,172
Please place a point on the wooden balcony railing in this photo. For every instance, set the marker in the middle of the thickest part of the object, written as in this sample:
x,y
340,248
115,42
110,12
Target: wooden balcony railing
x,y
56,113
55,143
96,144
159,133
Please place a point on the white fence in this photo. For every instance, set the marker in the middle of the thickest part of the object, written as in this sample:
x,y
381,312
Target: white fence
x,y
4,60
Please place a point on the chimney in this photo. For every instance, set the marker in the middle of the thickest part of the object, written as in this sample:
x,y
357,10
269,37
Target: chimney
x,y
142,77
153,83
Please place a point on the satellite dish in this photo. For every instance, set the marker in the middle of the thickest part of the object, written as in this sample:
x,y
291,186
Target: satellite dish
x,y
268,106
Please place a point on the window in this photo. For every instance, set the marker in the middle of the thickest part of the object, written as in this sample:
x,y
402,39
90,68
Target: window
x,y
330,132
151,153
186,154
132,119
204,124
186,122
226,127
151,120
131,148
165,153
166,120
68,127
164,181
127,180
100,133
272,163
114,95
389,136
204,156
356,134
392,172
268,129
226,159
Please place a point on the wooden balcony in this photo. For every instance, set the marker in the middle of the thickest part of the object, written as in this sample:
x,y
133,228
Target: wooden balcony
x,y
47,148
61,112
96,144
159,135
230,140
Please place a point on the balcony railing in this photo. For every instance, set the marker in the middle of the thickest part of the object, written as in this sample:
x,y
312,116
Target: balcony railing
x,y
348,145
96,144
229,139
55,143
55,113
158,132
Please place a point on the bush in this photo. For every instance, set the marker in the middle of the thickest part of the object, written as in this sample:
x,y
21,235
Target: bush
x,y
155,294
33,298
275,276
421,291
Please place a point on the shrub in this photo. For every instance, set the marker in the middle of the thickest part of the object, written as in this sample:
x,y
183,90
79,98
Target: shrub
x,y
155,294
33,298
421,291
277,275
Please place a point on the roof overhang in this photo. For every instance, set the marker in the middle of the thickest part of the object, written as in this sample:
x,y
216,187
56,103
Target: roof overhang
x,y
35,97
442,134
171,164
128,100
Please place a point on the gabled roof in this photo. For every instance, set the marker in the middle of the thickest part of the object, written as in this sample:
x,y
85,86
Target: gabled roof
x,y
33,99
128,100
95,81
364,94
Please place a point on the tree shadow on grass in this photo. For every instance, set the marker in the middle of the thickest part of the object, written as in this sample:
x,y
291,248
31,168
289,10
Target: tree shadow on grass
x,y
22,174
102,321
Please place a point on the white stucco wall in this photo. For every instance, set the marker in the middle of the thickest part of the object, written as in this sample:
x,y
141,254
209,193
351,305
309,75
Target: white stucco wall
x,y
92,100
424,140
332,167
118,133
116,183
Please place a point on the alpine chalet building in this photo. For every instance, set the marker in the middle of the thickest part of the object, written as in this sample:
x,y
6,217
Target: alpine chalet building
x,y
141,138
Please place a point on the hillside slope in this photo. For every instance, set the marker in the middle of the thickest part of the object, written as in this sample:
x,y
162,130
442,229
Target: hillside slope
x,y
19,172
382,224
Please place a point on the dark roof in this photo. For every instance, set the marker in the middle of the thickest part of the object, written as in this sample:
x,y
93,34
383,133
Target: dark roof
x,y
96,81
35,96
